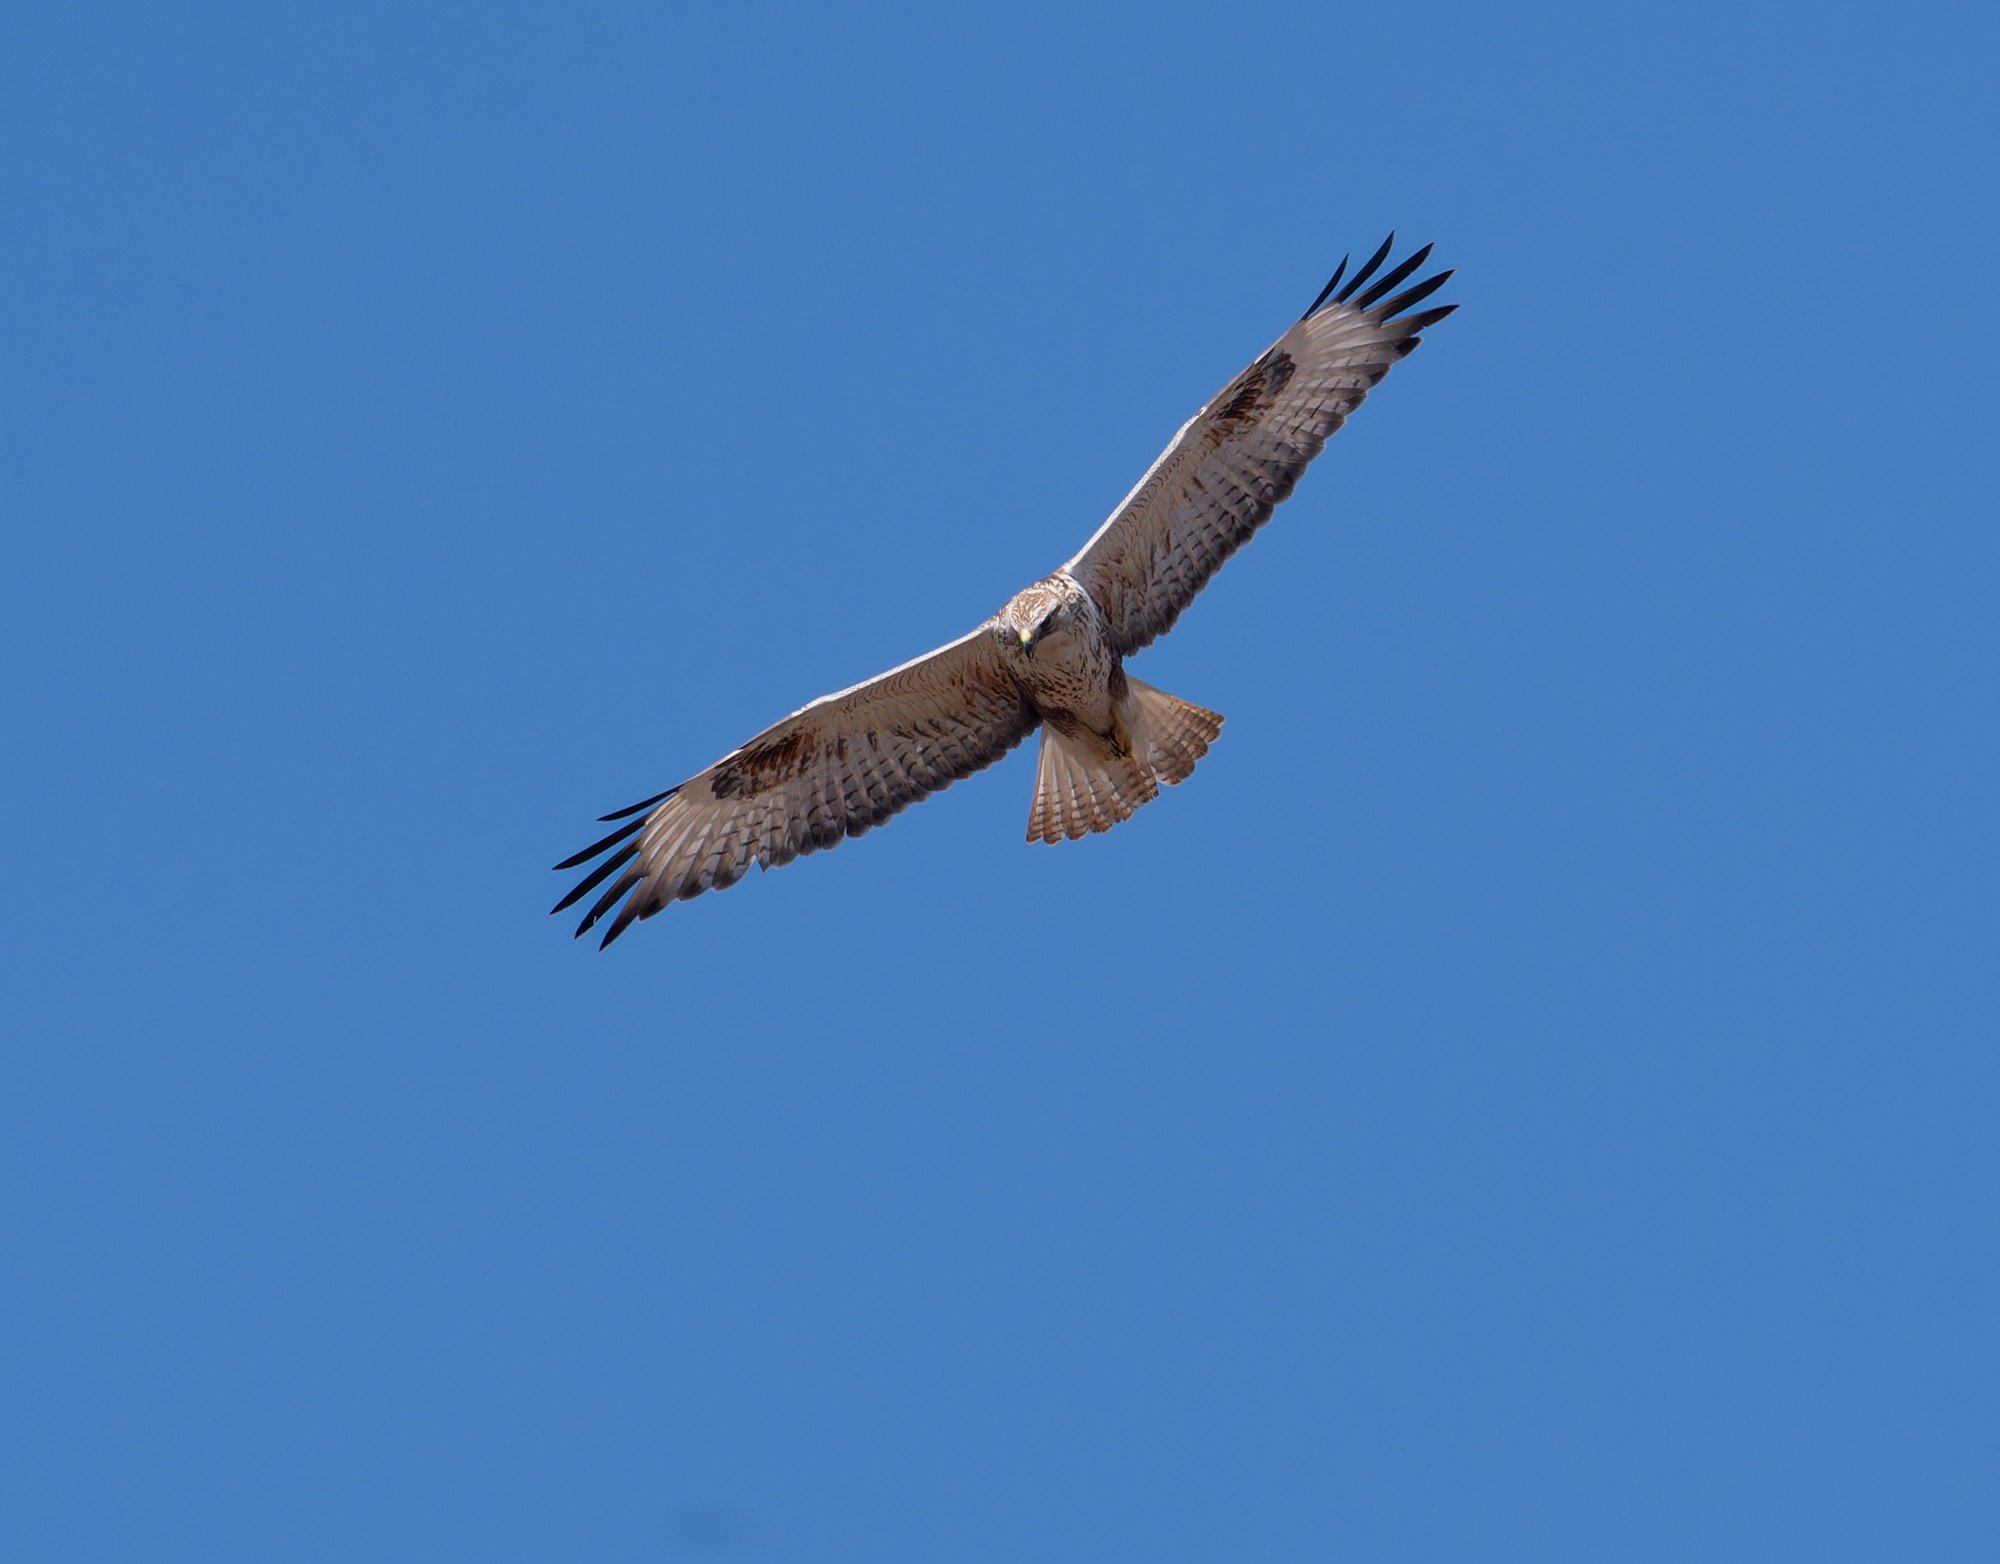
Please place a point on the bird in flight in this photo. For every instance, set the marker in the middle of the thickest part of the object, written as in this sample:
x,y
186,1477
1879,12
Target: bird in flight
x,y
1053,657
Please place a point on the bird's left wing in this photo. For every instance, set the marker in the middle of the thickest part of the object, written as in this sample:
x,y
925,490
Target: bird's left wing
x,y
1239,457
845,763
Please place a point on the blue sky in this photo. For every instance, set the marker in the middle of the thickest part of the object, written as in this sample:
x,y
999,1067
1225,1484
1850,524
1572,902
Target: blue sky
x,y
1531,1095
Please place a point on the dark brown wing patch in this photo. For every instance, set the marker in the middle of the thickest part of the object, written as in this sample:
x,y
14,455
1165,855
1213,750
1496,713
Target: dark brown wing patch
x,y
763,764
1257,388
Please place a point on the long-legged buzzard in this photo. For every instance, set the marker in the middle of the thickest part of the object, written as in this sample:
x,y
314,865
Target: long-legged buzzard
x,y
1053,657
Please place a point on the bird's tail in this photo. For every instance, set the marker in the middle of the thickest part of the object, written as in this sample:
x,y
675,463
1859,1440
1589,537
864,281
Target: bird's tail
x,y
1081,785
1171,733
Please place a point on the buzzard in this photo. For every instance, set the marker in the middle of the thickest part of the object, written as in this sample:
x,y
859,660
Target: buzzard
x,y
1053,657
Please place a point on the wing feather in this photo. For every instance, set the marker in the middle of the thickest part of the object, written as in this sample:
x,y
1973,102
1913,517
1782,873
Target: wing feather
x,y
1239,458
831,770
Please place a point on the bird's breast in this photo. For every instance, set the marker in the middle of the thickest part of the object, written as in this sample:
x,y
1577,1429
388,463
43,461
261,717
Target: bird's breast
x,y
1070,675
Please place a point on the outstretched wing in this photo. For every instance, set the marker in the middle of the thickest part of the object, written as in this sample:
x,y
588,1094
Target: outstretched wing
x,y
1240,456
844,763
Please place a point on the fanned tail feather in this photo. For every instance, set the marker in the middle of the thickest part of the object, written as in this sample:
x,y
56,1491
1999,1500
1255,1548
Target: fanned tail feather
x,y
1078,791
1079,788
1172,733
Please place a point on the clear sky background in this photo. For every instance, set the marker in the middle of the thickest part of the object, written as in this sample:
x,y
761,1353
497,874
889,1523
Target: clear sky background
x,y
1532,1095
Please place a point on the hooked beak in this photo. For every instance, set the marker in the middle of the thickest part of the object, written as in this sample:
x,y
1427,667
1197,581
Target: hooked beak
x,y
1028,642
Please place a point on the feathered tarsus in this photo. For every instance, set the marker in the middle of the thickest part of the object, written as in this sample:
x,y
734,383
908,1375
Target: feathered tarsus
x,y
1052,657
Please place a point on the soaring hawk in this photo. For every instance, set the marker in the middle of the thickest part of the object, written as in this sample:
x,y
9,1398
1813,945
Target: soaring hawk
x,y
1053,657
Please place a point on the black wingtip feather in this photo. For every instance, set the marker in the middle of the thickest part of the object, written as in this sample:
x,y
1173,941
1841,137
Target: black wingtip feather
x,y
1383,286
1428,319
607,901
1332,283
1368,270
1391,278
595,848
644,803
629,914
596,877
1416,295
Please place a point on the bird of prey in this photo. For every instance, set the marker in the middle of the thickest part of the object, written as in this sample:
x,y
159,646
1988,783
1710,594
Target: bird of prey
x,y
1053,657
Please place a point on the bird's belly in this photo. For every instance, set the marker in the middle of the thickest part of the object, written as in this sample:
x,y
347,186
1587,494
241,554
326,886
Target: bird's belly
x,y
1073,691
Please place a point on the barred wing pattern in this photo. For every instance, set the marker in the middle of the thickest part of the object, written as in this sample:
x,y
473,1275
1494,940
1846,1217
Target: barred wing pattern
x,y
1238,458
846,762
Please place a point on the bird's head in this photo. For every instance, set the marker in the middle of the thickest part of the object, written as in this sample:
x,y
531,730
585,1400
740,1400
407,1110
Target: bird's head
x,y
1033,615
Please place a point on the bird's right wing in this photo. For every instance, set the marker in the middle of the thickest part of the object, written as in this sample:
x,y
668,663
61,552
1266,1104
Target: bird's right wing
x,y
1237,459
846,762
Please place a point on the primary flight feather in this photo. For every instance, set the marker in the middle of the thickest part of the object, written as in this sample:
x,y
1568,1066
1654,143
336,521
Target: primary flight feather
x,y
1053,657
